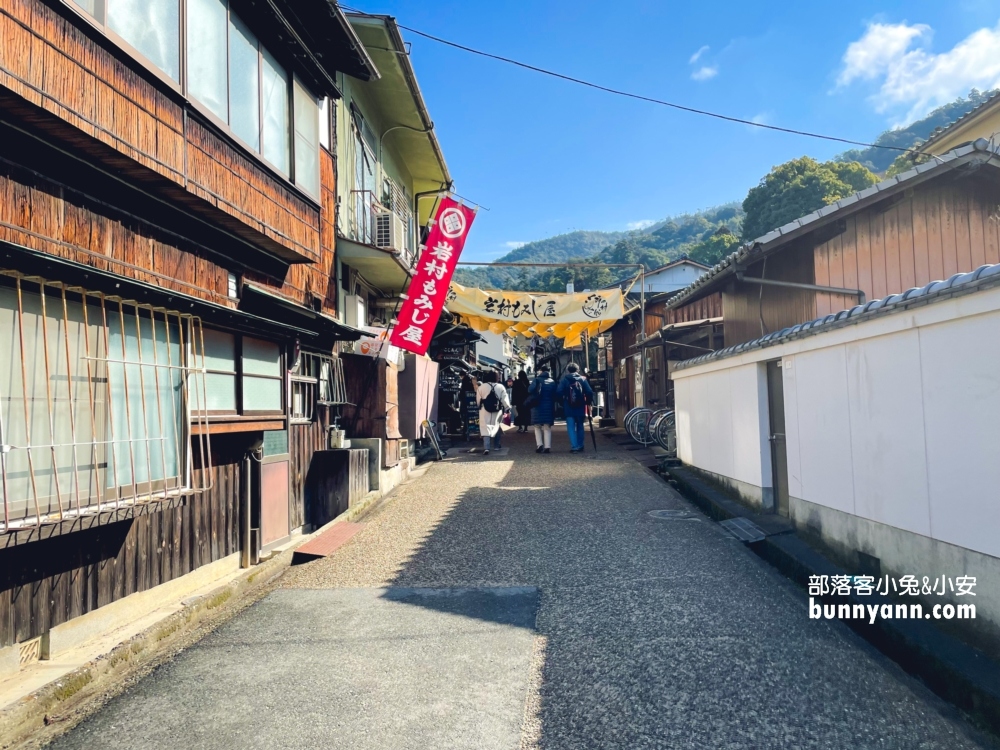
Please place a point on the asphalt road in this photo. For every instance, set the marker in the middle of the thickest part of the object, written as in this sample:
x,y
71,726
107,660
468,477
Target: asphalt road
x,y
530,601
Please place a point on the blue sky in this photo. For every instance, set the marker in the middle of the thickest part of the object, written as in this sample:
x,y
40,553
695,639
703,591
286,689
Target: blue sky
x,y
547,156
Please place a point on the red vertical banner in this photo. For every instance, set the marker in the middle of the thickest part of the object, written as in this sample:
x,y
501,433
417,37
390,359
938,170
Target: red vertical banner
x,y
420,311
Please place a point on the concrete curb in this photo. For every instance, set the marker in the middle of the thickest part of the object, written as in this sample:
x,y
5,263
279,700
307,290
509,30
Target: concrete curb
x,y
59,705
962,675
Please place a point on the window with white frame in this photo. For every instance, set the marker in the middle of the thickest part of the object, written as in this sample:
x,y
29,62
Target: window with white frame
x,y
227,72
93,402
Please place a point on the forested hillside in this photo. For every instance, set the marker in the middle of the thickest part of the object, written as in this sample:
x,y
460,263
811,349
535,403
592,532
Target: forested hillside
x,y
880,159
705,236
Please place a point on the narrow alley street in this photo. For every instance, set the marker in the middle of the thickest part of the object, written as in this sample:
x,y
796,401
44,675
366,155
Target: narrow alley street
x,y
530,601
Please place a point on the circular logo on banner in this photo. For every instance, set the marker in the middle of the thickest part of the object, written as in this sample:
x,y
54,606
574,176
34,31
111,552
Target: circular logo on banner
x,y
452,223
595,306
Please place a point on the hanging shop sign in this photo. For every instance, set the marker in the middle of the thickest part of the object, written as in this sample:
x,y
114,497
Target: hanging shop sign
x,y
428,290
567,316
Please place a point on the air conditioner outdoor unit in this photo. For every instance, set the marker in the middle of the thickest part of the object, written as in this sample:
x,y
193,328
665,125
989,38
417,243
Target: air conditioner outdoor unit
x,y
390,232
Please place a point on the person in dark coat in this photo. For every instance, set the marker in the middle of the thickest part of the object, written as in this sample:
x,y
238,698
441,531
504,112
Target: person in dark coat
x,y
519,394
543,414
576,395
469,406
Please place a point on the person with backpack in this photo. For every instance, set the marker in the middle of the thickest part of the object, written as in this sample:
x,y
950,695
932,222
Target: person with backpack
x,y
542,403
493,402
576,395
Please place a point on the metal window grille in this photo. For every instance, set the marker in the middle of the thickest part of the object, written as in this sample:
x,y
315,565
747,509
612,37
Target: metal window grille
x,y
94,398
333,386
318,380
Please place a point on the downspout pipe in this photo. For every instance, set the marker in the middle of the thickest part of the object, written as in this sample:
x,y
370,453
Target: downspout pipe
x,y
798,285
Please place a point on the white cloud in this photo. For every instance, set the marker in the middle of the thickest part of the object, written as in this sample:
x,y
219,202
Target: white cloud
x,y
701,51
514,244
914,77
704,73
642,224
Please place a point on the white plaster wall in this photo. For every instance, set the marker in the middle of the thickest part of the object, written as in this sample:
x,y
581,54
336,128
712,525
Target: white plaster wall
x,y
896,420
887,431
673,279
818,428
960,374
721,425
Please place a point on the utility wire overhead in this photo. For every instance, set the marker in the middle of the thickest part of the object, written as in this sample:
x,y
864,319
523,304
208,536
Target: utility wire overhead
x,y
630,95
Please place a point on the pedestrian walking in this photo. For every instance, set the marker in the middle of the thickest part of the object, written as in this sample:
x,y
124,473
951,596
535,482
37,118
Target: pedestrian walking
x,y
493,402
519,394
576,395
542,400
468,405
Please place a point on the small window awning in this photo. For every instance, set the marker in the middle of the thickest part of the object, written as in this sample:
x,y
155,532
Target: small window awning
x,y
659,337
323,327
689,324
29,261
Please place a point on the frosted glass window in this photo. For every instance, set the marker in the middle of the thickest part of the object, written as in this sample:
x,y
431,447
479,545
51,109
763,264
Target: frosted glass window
x,y
152,27
220,350
208,82
261,394
274,133
261,357
221,390
244,83
306,140
220,378
262,379
154,456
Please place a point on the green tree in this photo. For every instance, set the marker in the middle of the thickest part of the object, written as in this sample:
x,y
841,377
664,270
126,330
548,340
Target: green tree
x,y
715,248
798,187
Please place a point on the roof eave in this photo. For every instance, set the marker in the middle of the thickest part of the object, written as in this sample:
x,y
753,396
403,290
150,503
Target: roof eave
x,y
392,28
777,239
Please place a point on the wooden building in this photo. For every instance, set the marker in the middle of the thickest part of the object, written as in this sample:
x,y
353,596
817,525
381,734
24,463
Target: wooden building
x,y
930,223
167,292
668,335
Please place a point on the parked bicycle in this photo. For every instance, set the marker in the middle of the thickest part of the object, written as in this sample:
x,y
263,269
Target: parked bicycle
x,y
647,426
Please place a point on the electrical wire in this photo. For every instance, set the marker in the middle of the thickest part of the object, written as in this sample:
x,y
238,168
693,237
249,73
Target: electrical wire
x,y
631,95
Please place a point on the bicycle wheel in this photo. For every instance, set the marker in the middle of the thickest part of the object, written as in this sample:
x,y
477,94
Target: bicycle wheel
x,y
637,425
641,427
666,432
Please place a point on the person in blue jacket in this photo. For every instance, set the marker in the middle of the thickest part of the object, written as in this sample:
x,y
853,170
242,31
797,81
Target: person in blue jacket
x,y
542,397
576,395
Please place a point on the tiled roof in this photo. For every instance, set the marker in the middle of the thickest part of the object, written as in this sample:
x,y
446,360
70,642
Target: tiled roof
x,y
777,237
938,132
961,283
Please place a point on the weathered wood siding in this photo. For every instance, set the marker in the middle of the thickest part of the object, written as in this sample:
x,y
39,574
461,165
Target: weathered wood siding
x,y
701,309
48,582
931,234
50,61
752,310
38,213
307,283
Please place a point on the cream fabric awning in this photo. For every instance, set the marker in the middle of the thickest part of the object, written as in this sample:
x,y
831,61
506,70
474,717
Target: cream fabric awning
x,y
567,316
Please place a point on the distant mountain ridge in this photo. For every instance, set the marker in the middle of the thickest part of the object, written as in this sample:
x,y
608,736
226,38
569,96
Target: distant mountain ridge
x,y
880,159
654,246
